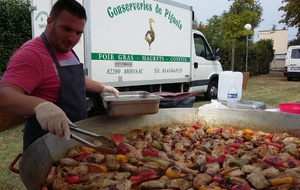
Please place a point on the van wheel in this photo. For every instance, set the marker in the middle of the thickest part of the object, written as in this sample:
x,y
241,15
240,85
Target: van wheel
x,y
289,78
212,90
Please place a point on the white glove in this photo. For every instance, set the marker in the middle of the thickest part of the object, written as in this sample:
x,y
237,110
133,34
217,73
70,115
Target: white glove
x,y
111,90
53,119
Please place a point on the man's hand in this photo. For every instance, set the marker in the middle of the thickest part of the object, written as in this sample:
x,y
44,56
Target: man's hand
x,y
53,119
111,90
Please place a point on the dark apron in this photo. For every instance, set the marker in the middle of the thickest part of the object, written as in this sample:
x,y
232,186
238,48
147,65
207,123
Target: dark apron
x,y
72,97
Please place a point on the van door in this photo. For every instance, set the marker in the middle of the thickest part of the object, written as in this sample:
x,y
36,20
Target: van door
x,y
204,67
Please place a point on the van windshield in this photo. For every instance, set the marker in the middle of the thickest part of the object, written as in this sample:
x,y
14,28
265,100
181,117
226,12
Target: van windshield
x,y
295,54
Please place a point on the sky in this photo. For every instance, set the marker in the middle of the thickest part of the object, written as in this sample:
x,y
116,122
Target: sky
x,y
206,9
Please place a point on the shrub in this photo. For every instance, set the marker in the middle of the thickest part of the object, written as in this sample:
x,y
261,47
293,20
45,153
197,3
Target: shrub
x,y
15,28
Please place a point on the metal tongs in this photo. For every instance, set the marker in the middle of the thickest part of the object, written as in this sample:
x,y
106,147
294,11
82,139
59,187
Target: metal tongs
x,y
108,146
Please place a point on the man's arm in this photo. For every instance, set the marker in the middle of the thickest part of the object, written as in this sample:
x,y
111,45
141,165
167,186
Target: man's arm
x,y
14,100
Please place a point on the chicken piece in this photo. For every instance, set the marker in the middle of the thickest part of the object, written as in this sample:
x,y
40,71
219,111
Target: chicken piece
x,y
102,183
129,146
156,135
140,144
82,168
278,137
217,151
237,180
201,179
235,173
257,180
249,155
289,140
68,162
135,155
121,175
126,185
96,176
176,155
148,136
185,169
189,154
194,138
110,157
152,184
130,168
112,165
247,169
212,168
178,183
59,184
294,172
270,173
200,159
94,158
163,155
201,133
226,134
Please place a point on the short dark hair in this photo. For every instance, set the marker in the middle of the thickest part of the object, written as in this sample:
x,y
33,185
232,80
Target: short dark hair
x,y
72,6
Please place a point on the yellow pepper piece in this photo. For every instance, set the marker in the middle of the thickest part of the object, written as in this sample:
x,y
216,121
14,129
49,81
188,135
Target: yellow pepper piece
x,y
248,131
97,168
208,131
247,137
173,172
187,163
205,187
188,132
280,181
87,149
121,158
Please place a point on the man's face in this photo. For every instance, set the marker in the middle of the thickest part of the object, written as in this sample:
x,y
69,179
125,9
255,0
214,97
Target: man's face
x,y
65,32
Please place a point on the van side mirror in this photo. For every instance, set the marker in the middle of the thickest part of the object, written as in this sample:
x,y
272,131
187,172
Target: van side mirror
x,y
217,54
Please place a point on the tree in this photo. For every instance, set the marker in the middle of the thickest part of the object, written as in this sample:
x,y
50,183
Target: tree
x,y
15,28
292,15
241,12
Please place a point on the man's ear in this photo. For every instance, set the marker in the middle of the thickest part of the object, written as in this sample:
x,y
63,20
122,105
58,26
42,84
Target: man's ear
x,y
49,21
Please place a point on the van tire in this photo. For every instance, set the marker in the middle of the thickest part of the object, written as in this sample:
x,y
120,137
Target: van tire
x,y
212,90
289,78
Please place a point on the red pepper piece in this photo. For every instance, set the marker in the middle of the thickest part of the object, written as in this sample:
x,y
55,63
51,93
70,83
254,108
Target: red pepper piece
x,y
72,179
219,130
148,152
81,156
143,176
122,148
273,160
235,145
219,160
241,187
117,138
240,140
196,127
229,150
278,145
293,162
217,178
269,136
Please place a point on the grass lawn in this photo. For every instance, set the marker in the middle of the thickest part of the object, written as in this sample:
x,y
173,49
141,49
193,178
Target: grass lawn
x,y
271,89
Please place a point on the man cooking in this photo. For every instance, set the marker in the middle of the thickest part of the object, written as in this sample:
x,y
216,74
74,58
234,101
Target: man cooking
x,y
44,80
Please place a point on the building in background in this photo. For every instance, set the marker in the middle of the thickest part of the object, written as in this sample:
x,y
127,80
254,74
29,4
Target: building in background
x,y
280,40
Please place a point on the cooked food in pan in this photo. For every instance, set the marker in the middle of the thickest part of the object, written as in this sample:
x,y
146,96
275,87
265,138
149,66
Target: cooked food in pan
x,y
183,158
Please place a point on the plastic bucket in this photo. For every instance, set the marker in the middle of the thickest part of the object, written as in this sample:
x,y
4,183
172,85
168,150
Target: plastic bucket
x,y
226,79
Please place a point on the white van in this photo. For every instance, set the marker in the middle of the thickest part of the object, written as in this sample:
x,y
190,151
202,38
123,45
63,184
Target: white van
x,y
292,63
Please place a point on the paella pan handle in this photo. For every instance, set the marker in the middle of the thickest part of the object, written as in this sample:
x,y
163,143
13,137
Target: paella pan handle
x,y
13,163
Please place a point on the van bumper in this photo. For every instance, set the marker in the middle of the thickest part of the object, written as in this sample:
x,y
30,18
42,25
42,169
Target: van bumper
x,y
292,74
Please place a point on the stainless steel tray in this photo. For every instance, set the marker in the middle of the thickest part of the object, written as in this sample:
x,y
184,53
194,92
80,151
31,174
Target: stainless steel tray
x,y
131,103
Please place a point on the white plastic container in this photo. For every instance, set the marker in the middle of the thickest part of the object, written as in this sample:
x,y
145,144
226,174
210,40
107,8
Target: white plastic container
x,y
226,79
